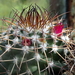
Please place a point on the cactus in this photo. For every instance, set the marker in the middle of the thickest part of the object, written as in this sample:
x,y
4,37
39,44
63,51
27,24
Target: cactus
x,y
34,44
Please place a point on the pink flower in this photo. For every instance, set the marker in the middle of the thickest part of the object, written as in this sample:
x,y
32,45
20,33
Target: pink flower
x,y
26,42
57,29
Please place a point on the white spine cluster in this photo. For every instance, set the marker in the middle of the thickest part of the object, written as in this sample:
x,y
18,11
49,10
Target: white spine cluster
x,y
25,49
65,51
15,60
16,31
8,47
53,35
35,38
44,46
65,38
16,40
51,64
54,48
45,30
37,57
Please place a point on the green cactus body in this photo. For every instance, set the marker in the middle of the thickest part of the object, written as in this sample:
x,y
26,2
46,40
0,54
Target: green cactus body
x,y
29,47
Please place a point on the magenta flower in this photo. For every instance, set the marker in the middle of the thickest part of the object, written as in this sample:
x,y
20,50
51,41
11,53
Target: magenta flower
x,y
57,29
26,42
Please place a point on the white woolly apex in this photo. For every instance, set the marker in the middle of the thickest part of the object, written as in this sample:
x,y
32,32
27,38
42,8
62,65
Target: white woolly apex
x,y
15,60
16,40
6,37
8,47
37,57
44,46
51,64
25,49
35,38
54,48
65,38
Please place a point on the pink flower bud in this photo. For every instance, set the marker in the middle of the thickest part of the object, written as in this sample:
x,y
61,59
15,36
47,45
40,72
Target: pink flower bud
x,y
26,42
57,29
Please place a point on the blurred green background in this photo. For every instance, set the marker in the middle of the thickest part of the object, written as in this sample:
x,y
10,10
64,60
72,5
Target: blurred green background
x,y
7,7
